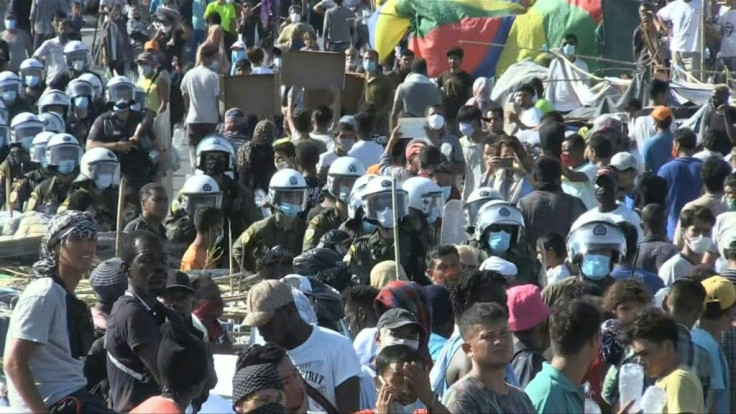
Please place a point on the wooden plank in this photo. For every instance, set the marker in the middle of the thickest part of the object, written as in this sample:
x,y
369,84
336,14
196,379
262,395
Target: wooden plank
x,y
253,94
310,69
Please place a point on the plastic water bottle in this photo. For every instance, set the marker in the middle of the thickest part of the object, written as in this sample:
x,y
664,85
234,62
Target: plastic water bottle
x,y
653,400
630,385
591,407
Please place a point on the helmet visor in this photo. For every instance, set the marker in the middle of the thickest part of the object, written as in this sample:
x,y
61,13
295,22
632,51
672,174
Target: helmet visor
x,y
374,203
340,186
63,153
77,60
24,132
193,202
433,202
123,91
79,89
38,153
581,242
472,211
105,173
296,197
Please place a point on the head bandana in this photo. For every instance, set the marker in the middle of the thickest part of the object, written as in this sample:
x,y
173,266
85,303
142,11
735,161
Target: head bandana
x,y
67,224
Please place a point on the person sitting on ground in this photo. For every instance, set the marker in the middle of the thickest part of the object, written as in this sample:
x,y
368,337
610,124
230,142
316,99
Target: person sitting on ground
x,y
203,252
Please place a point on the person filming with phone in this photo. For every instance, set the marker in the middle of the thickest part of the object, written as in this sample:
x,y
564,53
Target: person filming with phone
x,y
505,169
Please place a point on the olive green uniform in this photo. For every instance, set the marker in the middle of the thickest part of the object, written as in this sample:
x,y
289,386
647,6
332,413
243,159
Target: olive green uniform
x,y
323,222
21,189
48,195
262,235
369,250
523,256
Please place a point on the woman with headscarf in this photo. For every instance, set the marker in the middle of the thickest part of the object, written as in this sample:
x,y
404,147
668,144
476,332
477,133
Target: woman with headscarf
x,y
216,37
255,163
50,326
482,94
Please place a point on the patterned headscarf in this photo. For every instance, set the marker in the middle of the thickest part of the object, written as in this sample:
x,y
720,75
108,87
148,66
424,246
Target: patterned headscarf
x,y
251,379
67,224
265,131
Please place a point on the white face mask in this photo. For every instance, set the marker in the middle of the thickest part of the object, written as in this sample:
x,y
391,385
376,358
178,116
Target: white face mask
x,y
398,408
700,244
347,144
436,122
389,340
281,165
103,181
295,17
385,218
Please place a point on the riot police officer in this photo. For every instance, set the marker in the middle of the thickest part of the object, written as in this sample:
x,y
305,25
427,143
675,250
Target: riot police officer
x,y
52,122
341,177
31,75
63,155
98,104
10,86
475,201
216,158
81,115
77,58
22,187
356,225
287,193
199,190
23,128
425,202
499,230
54,100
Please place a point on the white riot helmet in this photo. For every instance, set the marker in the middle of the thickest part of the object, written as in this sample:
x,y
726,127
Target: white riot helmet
x,y
287,191
38,147
52,122
595,245
64,152
80,93
119,88
9,87
503,214
475,201
31,72
378,203
215,143
3,113
94,81
342,175
23,128
76,54
200,190
101,166
355,202
424,196
54,100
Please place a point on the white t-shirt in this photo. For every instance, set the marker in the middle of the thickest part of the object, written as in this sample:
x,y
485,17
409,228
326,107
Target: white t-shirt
x,y
728,28
675,268
325,160
531,117
583,191
203,87
325,360
621,213
684,20
325,139
367,152
51,52
563,93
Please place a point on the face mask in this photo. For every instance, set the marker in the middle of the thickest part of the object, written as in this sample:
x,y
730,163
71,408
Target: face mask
x,y
499,242
33,80
26,143
10,24
289,210
568,49
81,102
9,96
66,167
78,65
699,244
344,194
367,227
295,17
392,340
166,29
596,266
386,218
281,165
436,122
103,181
446,191
370,66
731,203
433,215
144,70
567,160
215,66
466,129
347,144
237,55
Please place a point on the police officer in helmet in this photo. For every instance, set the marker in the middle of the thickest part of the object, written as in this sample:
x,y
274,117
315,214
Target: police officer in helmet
x,y
22,187
199,190
357,225
10,88
23,129
32,77
81,113
63,155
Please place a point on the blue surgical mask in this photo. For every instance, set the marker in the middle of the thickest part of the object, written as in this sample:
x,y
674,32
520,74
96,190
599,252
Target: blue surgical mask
x,y
10,24
466,129
446,191
81,102
33,80
370,66
499,241
367,227
9,96
237,55
289,210
596,266
433,215
66,167
568,49
26,143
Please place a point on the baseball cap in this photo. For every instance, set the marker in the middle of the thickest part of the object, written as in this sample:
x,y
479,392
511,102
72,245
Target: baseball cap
x,y
500,266
660,113
179,280
108,280
623,161
264,298
719,290
526,307
150,46
147,57
396,318
348,120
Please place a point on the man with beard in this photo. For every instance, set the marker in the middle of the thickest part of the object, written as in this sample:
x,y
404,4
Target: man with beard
x,y
133,330
404,62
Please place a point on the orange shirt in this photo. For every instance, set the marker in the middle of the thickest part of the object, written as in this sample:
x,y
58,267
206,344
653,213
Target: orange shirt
x,y
155,405
195,258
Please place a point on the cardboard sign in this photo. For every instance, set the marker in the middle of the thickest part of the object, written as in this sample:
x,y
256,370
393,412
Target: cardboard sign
x,y
413,127
253,94
310,69
350,99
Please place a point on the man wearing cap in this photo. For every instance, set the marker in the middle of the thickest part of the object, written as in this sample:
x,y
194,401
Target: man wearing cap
x,y
325,359
109,283
720,297
387,165
657,150
179,297
527,320
155,86
627,168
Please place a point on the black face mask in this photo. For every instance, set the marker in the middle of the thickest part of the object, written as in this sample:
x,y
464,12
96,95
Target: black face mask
x,y
215,167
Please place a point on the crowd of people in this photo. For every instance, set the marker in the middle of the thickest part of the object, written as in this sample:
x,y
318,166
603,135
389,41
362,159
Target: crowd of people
x,y
499,258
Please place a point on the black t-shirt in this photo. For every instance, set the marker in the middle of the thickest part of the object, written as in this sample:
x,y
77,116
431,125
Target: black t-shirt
x,y
4,52
134,164
717,122
457,90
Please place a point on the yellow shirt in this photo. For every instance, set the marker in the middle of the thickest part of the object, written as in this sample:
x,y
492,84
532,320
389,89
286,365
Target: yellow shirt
x,y
150,86
226,11
684,392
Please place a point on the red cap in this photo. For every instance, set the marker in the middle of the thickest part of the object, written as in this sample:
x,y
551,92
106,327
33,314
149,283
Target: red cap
x,y
526,307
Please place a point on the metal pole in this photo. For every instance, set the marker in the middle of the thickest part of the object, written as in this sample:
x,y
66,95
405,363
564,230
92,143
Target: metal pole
x,y
119,221
397,257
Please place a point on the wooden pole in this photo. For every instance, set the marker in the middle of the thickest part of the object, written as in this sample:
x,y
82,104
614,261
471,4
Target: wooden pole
x,y
119,222
230,253
397,257
8,205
